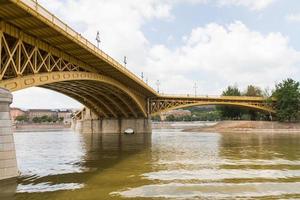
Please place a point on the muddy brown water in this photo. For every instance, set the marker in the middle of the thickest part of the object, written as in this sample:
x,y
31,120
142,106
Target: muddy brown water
x,y
167,164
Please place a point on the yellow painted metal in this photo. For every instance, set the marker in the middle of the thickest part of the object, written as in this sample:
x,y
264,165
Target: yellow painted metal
x,y
39,12
94,90
160,105
81,98
41,79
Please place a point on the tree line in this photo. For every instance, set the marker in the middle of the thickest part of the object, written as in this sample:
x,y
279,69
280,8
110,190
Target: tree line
x,y
287,106
42,119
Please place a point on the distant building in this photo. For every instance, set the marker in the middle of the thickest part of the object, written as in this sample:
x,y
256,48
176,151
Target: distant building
x,y
66,115
175,113
32,113
16,112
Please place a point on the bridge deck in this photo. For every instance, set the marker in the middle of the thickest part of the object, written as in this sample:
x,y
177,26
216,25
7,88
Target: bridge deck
x,y
32,19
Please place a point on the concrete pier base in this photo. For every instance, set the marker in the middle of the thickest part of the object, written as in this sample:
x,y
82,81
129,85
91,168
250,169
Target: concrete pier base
x,y
8,163
113,125
90,123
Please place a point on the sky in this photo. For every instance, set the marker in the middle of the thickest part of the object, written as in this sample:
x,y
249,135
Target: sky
x,y
210,43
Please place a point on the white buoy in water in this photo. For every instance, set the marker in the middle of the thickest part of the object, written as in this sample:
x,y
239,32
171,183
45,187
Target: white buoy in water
x,y
129,131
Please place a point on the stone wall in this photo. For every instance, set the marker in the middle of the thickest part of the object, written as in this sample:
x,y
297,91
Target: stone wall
x,y
8,163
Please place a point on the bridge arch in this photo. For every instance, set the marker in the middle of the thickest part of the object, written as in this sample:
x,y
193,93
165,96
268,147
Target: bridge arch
x,y
252,106
102,94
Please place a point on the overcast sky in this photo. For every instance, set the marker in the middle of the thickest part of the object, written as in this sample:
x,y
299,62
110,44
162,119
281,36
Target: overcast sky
x,y
214,43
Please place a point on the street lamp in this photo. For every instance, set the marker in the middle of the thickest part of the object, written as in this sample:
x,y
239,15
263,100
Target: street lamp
x,y
195,88
125,61
98,39
142,75
157,84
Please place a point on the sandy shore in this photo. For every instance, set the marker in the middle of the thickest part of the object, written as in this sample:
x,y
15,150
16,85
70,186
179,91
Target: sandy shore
x,y
248,127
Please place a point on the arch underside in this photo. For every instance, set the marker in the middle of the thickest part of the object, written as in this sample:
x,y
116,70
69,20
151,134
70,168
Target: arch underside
x,y
104,100
106,97
245,105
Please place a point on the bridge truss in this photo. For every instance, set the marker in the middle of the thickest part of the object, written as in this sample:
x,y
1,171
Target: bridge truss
x,y
166,103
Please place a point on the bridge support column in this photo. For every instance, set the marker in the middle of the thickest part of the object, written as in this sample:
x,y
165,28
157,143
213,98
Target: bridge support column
x,y
92,124
140,125
8,162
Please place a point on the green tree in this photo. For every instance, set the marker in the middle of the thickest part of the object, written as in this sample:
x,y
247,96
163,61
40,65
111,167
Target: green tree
x,y
156,118
36,120
170,118
230,112
45,118
61,119
253,91
287,95
22,118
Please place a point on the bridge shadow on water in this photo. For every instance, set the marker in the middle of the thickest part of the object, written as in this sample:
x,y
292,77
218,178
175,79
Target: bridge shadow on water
x,y
106,161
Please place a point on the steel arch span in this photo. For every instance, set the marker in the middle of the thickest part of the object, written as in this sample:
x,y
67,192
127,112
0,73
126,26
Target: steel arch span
x,y
164,104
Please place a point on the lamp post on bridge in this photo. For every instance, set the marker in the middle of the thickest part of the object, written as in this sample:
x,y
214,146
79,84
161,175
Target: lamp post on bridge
x,y
157,84
125,61
98,39
195,88
142,76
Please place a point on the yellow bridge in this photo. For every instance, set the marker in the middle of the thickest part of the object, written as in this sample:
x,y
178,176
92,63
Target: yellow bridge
x,y
38,49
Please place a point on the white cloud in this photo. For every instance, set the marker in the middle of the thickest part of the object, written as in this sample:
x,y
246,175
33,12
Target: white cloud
x,y
293,17
252,4
221,55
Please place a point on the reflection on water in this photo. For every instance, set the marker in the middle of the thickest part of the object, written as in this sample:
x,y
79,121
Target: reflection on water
x,y
165,165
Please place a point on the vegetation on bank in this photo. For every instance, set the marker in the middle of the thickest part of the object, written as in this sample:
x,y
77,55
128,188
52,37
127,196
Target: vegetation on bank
x,y
236,113
197,115
287,94
43,119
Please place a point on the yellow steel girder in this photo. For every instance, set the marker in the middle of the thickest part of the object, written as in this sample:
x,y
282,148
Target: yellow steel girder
x,y
159,106
15,84
87,98
95,91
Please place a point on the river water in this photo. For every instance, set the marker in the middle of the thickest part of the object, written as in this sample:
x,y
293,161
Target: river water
x,y
169,164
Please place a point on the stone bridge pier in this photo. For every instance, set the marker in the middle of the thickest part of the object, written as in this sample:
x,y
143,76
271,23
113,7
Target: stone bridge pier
x,y
90,123
8,163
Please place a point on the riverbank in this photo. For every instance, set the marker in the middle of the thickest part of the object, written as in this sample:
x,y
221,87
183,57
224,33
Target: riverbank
x,y
181,125
40,127
248,127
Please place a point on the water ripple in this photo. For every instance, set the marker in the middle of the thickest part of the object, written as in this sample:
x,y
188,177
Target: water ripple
x,y
216,191
219,174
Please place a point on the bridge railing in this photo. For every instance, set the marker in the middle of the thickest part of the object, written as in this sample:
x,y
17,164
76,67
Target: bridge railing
x,y
211,97
33,4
